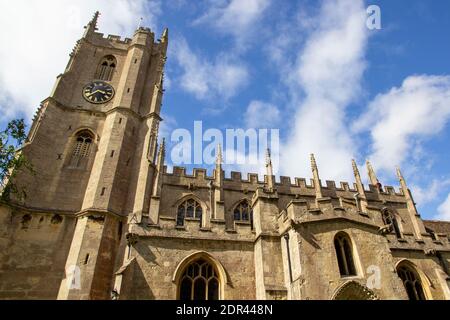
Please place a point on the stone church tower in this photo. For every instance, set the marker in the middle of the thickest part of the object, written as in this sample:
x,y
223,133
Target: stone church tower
x,y
93,145
103,219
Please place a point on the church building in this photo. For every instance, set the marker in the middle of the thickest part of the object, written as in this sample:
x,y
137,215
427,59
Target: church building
x,y
104,219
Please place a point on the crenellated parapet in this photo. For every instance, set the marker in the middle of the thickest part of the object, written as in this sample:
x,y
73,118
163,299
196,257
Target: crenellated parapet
x,y
287,185
291,201
124,42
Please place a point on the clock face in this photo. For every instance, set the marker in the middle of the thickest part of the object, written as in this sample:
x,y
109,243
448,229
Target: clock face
x,y
98,92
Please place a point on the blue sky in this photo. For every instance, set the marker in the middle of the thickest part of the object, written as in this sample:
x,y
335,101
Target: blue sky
x,y
308,68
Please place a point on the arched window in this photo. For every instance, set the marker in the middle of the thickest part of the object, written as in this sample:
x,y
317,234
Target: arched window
x,y
411,281
199,281
344,253
189,209
243,212
105,70
82,148
390,220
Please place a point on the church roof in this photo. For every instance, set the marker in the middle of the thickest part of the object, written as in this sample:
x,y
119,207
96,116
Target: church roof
x,y
438,226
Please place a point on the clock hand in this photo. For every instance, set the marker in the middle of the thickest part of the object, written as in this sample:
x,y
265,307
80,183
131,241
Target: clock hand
x,y
94,92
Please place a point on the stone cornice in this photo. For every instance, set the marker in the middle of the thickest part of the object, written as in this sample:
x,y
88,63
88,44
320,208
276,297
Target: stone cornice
x,y
416,249
37,210
103,113
162,234
330,219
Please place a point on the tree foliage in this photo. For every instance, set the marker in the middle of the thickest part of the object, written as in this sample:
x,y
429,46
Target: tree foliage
x,y
12,161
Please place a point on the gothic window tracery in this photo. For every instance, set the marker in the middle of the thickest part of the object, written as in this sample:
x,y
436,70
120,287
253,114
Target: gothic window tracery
x,y
188,209
344,253
243,212
106,68
411,281
200,281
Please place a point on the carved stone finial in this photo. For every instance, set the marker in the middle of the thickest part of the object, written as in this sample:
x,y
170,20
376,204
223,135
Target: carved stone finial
x,y
316,177
313,162
94,20
359,183
268,158
165,35
371,173
219,158
402,181
161,154
399,174
92,25
162,148
355,168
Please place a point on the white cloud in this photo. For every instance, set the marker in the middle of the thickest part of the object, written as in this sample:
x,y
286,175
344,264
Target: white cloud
x,y
398,119
444,210
262,115
424,195
38,36
167,126
236,17
205,79
328,71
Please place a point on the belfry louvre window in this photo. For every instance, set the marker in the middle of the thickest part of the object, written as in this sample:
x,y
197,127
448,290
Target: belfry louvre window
x,y
83,145
199,281
188,209
412,282
344,254
106,68
82,148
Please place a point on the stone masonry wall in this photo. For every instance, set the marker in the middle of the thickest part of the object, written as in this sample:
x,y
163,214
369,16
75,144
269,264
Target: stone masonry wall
x,y
33,252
